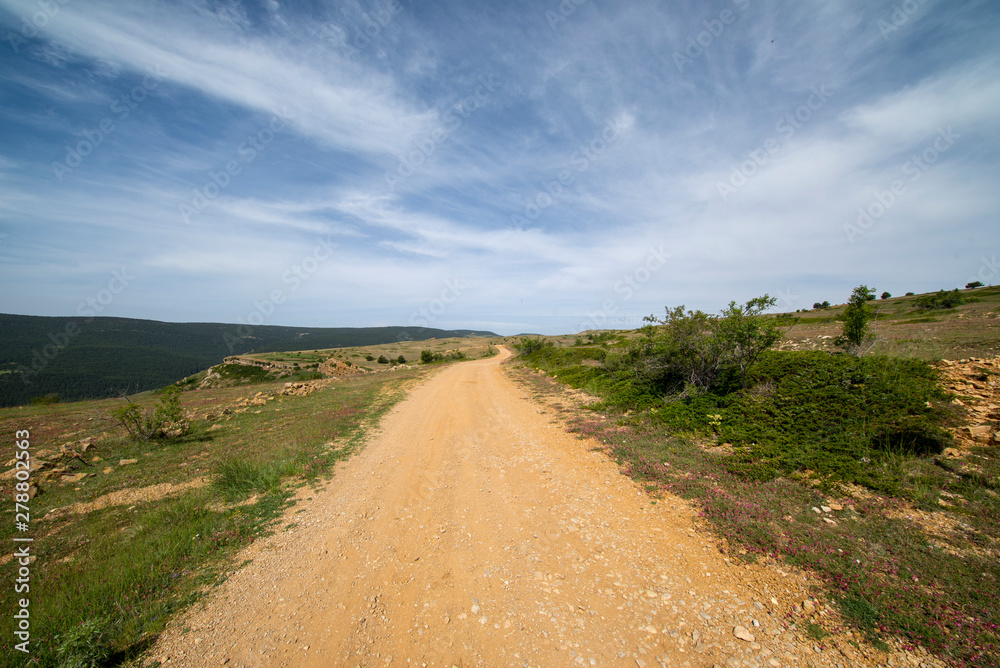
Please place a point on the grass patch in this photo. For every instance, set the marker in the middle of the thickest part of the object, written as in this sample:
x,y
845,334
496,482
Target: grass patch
x,y
237,479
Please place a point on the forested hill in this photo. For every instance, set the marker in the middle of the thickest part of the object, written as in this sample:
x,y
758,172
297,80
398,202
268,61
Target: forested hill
x,y
80,358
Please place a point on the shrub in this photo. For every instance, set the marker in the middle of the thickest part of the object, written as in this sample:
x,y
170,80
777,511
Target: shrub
x,y
46,400
973,284
369,357
426,356
745,334
143,425
856,337
909,294
885,295
401,359
689,351
529,345
382,359
940,300
821,305
86,645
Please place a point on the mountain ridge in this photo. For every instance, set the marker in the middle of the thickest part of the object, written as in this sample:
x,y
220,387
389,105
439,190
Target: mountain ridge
x,y
86,358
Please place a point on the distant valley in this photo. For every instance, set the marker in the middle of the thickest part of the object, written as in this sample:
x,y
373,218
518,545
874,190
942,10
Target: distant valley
x,y
80,358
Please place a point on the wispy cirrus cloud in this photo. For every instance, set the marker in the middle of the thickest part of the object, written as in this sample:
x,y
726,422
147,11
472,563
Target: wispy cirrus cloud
x,y
418,154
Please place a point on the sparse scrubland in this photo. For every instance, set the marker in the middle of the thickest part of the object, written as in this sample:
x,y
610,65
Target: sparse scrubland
x,y
856,467
877,472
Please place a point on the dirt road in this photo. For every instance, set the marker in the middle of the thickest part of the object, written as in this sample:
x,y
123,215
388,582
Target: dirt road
x,y
472,531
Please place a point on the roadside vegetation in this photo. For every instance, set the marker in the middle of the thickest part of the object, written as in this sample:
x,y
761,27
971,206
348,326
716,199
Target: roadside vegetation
x,y
147,517
829,461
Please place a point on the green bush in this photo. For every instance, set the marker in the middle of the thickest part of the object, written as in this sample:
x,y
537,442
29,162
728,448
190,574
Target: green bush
x,y
401,359
86,645
688,352
856,337
838,415
426,356
382,359
142,425
940,300
242,373
528,345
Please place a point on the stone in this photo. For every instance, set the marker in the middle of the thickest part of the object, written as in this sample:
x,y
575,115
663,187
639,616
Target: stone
x,y
826,509
743,634
76,477
981,432
816,510
836,506
127,462
808,607
107,470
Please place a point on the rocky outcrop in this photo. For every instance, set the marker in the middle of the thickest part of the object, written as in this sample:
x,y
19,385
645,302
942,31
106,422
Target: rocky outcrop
x,y
976,383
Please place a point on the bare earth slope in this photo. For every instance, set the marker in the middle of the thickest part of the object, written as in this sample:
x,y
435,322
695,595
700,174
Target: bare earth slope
x,y
471,531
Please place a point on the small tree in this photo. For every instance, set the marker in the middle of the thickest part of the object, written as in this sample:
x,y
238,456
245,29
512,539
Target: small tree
x,y
974,284
856,337
885,295
382,359
401,359
426,356
743,331
144,425
680,351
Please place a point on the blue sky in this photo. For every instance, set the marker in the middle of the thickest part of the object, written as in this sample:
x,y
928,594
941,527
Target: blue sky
x,y
512,166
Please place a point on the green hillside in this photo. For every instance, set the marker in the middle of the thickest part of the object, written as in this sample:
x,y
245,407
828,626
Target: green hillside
x,y
77,359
